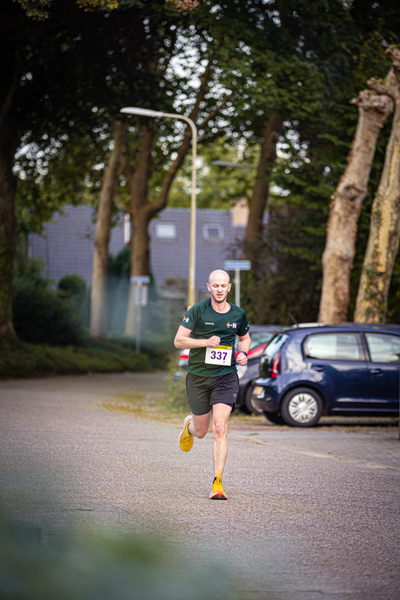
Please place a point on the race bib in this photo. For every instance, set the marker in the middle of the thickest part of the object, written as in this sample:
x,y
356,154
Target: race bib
x,y
221,355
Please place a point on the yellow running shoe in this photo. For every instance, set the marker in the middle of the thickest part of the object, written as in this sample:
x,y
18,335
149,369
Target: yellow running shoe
x,y
186,438
217,492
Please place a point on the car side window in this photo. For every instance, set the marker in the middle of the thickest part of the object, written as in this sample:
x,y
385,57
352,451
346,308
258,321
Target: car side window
x,y
334,346
383,347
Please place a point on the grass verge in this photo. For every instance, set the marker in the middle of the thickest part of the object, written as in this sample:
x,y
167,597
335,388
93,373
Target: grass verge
x,y
153,406
166,408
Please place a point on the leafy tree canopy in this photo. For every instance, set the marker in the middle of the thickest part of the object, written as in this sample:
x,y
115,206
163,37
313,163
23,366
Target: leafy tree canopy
x,y
306,60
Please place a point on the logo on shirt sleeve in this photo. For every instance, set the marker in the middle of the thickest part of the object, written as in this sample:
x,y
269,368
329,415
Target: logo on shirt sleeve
x,y
186,319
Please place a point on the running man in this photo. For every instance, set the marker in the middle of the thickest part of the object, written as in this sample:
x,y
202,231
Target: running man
x,y
209,330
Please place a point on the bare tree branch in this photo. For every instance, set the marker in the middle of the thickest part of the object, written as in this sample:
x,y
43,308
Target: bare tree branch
x,y
216,110
380,88
202,89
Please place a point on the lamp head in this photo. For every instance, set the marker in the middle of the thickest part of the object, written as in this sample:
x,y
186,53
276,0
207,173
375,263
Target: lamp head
x,y
144,112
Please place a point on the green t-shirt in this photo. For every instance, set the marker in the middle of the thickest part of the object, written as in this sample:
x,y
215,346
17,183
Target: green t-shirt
x,y
204,322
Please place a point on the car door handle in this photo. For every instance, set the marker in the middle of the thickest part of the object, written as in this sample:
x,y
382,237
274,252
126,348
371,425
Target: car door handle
x,y
318,368
377,371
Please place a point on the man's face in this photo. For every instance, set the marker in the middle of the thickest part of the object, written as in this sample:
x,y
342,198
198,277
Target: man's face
x,y
219,288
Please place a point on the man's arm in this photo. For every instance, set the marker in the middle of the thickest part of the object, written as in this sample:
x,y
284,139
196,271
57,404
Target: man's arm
x,y
244,345
183,340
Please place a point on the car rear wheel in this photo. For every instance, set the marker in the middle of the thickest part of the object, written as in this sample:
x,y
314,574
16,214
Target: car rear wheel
x,y
301,407
274,418
248,404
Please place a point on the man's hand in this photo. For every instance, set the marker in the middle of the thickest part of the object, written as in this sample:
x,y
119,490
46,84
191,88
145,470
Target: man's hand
x,y
212,342
241,359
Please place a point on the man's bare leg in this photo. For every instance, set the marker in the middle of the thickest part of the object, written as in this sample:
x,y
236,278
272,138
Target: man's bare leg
x,y
193,426
221,413
199,425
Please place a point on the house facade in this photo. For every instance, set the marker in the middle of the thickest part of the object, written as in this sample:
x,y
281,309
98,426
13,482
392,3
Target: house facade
x,y
67,243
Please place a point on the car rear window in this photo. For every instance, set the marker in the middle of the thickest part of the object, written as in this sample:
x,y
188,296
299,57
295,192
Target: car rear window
x,y
258,338
334,346
275,345
383,347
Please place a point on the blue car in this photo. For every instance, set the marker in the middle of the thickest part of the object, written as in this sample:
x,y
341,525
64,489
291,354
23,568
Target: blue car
x,y
348,369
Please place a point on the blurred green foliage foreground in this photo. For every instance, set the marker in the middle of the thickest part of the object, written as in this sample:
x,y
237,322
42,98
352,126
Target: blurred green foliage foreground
x,y
99,566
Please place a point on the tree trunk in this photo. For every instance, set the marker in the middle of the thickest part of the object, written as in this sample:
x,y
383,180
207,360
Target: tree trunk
x,y
8,146
98,301
254,231
345,208
141,210
383,241
137,180
140,264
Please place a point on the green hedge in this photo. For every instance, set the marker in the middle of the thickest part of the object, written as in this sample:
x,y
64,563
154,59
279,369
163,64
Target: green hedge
x,y
51,325
42,314
20,359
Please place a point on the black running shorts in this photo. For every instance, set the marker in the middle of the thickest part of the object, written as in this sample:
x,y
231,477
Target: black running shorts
x,y
203,392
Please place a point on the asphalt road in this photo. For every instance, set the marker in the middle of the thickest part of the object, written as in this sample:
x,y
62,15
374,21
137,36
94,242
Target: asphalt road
x,y
310,513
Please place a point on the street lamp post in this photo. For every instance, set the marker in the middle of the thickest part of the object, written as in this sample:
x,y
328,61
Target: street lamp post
x,y
192,252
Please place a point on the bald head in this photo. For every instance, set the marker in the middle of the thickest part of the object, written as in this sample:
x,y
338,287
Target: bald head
x,y
219,285
219,274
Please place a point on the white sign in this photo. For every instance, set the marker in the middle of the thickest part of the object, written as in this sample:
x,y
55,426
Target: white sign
x,y
237,265
140,295
140,279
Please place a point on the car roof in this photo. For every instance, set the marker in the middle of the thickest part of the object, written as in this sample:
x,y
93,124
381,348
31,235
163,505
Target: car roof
x,y
267,327
343,326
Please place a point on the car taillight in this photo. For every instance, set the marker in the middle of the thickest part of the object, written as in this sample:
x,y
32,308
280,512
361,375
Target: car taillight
x,y
275,366
256,351
184,356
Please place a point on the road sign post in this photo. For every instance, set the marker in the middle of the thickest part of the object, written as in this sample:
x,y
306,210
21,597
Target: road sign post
x,y
140,295
237,266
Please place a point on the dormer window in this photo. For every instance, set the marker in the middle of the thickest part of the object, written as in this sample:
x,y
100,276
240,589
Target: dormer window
x,y
213,232
166,231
